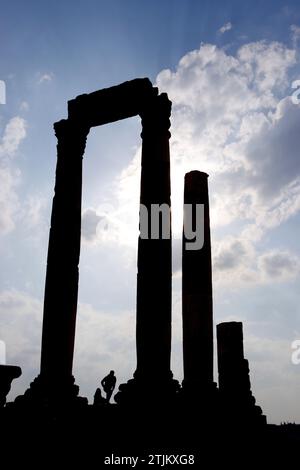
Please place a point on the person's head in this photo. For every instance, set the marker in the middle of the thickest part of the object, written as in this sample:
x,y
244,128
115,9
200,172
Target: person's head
x,y
112,372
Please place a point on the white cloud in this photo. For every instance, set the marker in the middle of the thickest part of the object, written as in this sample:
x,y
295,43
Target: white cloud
x,y
104,341
24,106
45,77
8,199
295,33
89,223
14,133
273,377
28,209
231,254
225,27
224,108
32,214
116,221
269,64
2,92
272,152
20,322
279,265
237,262
230,120
234,263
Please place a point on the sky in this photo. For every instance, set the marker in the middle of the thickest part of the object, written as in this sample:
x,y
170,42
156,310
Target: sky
x,y
229,69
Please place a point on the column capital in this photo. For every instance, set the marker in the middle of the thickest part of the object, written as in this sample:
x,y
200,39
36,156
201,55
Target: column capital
x,y
71,133
156,116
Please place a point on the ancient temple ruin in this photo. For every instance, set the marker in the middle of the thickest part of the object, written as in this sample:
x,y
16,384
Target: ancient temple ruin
x,y
154,271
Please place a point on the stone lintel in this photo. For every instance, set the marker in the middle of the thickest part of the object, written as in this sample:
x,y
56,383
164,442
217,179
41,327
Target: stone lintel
x,y
112,104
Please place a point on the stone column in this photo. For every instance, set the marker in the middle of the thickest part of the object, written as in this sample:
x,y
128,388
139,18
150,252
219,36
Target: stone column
x,y
153,321
232,366
60,302
197,309
238,403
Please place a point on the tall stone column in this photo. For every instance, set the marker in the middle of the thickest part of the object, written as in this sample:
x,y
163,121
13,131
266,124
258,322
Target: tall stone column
x,y
61,289
197,308
153,316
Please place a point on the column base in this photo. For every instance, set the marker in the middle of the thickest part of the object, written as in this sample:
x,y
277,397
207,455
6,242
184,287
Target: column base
x,y
148,391
240,408
7,375
51,394
199,389
201,398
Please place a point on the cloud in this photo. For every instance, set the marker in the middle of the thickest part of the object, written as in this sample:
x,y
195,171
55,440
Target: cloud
x,y
237,262
225,27
14,133
104,341
269,63
230,120
230,256
279,265
21,327
176,256
226,120
272,152
231,117
2,92
274,379
295,33
46,77
234,263
9,202
89,223
116,221
24,106
32,215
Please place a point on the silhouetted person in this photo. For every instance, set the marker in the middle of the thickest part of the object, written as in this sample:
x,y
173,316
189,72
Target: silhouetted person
x,y
98,398
108,384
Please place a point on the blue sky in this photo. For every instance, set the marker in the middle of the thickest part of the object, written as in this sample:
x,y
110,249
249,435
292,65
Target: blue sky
x,y
228,68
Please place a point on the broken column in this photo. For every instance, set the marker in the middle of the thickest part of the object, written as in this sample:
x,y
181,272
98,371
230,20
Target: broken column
x,y
234,380
197,307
